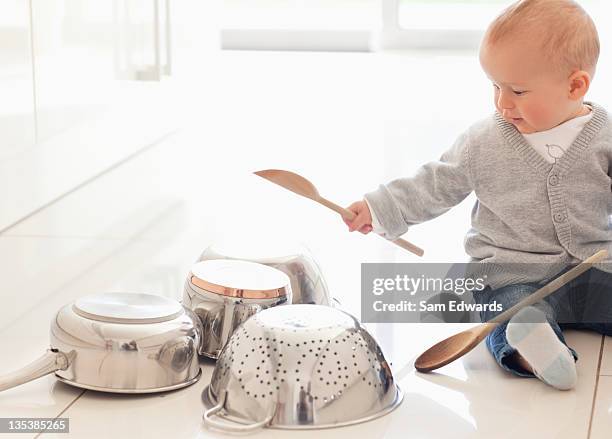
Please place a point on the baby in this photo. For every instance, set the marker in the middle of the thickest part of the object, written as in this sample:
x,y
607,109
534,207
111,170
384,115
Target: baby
x,y
541,169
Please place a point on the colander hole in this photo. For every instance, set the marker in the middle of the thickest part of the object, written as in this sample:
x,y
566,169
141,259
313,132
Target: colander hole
x,y
354,364
297,379
321,363
299,362
329,372
345,385
239,371
282,380
260,381
304,355
268,383
327,382
321,379
270,393
257,376
277,387
363,378
346,376
297,371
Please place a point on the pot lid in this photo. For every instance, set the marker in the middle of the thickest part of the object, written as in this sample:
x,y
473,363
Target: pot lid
x,y
236,278
127,308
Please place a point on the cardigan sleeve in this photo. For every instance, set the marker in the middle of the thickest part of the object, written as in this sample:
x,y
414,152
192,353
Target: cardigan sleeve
x,y
436,187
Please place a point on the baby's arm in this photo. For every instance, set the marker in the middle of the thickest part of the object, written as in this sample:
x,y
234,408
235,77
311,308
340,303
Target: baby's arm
x,y
434,189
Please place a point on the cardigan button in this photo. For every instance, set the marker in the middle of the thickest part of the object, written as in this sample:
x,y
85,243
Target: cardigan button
x,y
559,217
553,180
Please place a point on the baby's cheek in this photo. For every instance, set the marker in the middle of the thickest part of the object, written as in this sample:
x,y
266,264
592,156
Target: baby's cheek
x,y
540,116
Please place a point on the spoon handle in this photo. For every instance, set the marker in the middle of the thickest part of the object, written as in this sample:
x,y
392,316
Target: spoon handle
x,y
345,213
551,287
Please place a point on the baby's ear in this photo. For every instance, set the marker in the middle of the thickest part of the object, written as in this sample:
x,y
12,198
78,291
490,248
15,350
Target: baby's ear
x,y
579,83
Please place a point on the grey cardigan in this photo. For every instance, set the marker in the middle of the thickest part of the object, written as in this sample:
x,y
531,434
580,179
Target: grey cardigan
x,y
527,210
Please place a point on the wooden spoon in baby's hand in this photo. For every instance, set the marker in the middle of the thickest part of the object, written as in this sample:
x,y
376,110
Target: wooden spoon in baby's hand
x,y
301,186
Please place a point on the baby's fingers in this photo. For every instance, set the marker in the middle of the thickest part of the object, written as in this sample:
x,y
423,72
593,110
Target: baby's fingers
x,y
366,229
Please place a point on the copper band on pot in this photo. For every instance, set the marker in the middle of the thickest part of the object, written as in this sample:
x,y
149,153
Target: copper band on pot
x,y
237,292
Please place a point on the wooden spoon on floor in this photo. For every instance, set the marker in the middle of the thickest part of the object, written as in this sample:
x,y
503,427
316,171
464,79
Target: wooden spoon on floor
x,y
299,185
458,345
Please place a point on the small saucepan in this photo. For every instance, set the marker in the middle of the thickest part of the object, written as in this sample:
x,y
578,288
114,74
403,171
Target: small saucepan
x,y
121,343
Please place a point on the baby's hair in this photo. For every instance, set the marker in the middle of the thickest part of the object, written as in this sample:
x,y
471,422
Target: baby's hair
x,y
566,33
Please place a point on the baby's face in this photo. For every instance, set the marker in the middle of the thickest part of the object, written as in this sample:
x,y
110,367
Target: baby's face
x,y
528,92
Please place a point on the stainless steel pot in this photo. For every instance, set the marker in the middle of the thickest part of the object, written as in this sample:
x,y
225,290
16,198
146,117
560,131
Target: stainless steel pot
x,y
224,293
121,343
299,367
295,260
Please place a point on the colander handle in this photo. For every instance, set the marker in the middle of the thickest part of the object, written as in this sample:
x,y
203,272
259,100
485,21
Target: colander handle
x,y
234,427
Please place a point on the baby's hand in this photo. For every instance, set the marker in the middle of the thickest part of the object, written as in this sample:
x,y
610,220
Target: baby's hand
x,y
363,217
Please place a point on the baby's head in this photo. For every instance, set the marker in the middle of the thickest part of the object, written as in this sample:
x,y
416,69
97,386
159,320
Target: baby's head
x,y
541,56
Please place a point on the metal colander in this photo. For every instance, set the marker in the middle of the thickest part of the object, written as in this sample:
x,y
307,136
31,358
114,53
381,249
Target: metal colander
x,y
300,366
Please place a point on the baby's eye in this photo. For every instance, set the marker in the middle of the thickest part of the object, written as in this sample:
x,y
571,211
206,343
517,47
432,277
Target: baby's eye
x,y
519,92
496,87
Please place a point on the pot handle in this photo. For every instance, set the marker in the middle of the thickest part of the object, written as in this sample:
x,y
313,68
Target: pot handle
x,y
209,421
51,361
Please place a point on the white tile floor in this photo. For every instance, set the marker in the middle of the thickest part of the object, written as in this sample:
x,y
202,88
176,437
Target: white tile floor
x,y
140,226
